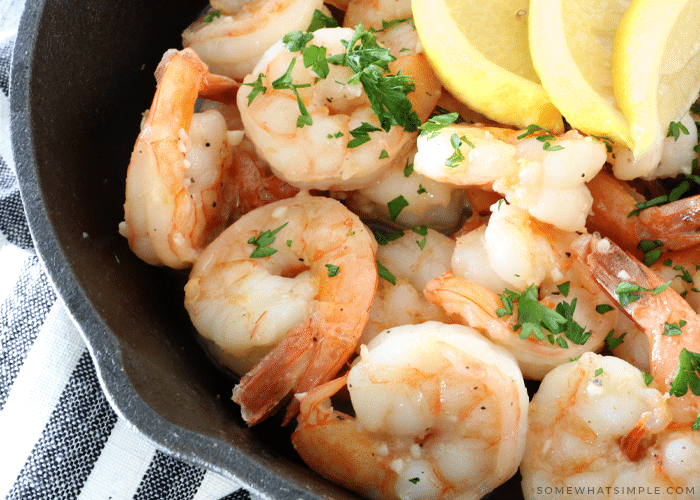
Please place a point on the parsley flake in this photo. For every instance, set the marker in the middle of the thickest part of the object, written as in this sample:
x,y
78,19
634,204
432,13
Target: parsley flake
x,y
396,205
687,375
648,379
408,169
652,250
320,20
384,273
332,270
258,88
285,82
629,292
263,241
603,308
675,129
421,189
432,127
383,154
674,329
598,372
414,480
612,342
361,134
386,238
211,16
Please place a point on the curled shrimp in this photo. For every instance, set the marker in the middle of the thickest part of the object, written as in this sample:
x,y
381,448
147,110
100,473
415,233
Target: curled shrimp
x,y
513,252
543,174
440,413
675,225
286,289
178,180
307,139
235,34
597,431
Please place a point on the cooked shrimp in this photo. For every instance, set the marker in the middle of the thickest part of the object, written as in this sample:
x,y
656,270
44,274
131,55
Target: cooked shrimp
x,y
236,33
371,13
254,184
306,140
440,413
672,156
514,252
655,312
682,269
597,431
676,225
302,307
411,261
423,200
546,177
178,181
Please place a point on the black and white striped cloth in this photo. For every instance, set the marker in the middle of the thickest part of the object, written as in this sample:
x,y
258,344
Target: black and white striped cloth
x,y
59,438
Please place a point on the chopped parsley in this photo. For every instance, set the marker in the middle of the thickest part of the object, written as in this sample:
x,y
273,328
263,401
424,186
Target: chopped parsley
x,y
387,93
386,238
598,372
396,205
687,375
652,250
361,134
211,16
263,241
675,129
545,139
540,321
564,288
606,140
674,195
648,379
384,273
414,480
258,87
612,342
332,270
603,308
296,41
383,154
432,127
285,82
629,292
320,20
421,231
674,329
457,157
421,189
408,169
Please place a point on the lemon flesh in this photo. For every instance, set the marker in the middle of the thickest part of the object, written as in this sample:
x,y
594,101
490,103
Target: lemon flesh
x,y
656,69
571,46
479,50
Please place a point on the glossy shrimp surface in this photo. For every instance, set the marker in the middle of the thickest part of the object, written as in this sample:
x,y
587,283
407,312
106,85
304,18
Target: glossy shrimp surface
x,y
440,413
178,181
309,144
286,289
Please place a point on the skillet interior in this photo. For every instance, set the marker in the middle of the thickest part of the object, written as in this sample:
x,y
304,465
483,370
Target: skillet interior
x,y
82,75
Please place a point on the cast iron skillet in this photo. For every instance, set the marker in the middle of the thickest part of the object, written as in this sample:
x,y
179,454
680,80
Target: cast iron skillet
x,y
82,74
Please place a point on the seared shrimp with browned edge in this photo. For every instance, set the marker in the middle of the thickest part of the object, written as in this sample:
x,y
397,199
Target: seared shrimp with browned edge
x,y
177,183
284,293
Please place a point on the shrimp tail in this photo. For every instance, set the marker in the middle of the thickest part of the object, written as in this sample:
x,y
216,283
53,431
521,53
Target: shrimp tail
x,y
471,301
266,385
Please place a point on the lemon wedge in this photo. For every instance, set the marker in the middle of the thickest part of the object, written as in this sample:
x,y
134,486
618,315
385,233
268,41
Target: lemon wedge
x,y
656,68
479,50
571,47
